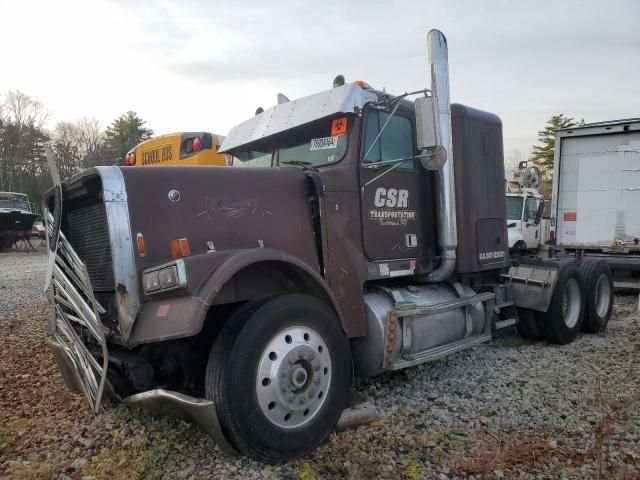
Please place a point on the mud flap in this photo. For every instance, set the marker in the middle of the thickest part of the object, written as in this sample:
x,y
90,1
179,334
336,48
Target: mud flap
x,y
196,410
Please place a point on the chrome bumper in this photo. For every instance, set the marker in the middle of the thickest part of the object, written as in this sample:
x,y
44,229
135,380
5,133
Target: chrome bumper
x,y
196,410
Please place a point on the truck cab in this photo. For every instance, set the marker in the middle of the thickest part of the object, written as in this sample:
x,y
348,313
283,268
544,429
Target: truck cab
x,y
365,233
524,219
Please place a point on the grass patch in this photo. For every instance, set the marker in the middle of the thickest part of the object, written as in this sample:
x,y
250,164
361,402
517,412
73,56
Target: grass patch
x,y
5,443
496,454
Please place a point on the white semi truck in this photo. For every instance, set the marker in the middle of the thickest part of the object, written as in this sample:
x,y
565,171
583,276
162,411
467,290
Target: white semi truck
x,y
527,230
595,210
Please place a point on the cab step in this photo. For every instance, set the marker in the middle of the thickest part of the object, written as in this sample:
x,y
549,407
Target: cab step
x,y
508,322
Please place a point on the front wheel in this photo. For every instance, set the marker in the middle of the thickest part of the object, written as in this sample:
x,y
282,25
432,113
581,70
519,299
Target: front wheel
x,y
280,373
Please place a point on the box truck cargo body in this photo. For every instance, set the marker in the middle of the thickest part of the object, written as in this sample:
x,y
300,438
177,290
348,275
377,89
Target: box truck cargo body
x,y
596,200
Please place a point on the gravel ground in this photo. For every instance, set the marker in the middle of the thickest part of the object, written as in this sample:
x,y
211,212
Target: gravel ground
x,y
510,408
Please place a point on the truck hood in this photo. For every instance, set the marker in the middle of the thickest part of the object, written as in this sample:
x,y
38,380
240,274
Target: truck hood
x,y
219,209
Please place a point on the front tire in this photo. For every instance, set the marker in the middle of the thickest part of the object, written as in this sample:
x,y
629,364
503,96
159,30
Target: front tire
x,y
562,322
520,245
280,373
598,288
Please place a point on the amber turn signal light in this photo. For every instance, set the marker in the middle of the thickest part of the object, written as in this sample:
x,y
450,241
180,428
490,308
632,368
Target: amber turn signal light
x,y
180,248
141,247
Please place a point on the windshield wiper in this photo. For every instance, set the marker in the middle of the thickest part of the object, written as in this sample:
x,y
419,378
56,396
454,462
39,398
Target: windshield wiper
x,y
300,163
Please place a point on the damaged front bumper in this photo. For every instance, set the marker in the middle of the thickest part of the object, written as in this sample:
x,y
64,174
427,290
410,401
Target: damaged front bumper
x,y
159,401
85,370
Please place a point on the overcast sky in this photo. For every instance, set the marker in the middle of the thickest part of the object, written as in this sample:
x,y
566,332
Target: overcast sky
x,y
207,65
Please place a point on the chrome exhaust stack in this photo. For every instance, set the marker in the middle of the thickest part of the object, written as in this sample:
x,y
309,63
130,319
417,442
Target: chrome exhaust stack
x,y
445,185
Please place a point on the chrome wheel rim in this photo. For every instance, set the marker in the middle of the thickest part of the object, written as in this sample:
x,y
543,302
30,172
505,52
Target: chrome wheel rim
x,y
294,376
603,296
571,303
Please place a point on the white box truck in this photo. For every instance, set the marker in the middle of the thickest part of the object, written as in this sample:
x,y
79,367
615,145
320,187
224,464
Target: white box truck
x,y
596,195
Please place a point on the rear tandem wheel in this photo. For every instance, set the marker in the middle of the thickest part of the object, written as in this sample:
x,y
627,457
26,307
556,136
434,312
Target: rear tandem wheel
x,y
563,320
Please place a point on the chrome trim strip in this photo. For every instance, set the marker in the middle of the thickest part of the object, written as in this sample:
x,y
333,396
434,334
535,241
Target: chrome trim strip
x,y
122,248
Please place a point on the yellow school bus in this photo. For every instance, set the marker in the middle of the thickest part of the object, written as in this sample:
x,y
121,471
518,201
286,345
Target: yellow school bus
x,y
182,148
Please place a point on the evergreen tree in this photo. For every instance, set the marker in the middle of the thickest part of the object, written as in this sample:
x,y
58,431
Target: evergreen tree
x,y
124,133
542,155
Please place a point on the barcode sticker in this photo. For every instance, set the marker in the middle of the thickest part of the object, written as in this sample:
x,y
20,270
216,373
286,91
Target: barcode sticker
x,y
324,143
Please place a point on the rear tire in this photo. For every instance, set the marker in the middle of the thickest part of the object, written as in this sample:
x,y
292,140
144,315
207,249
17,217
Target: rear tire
x,y
280,374
598,287
528,325
562,322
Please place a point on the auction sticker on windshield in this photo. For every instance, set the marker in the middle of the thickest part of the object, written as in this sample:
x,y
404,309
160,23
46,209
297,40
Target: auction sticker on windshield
x,y
324,143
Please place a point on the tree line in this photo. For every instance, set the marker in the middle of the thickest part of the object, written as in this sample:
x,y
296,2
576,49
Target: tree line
x,y
75,145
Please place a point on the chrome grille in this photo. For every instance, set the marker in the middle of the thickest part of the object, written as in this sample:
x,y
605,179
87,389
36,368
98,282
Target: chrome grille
x,y
89,235
76,310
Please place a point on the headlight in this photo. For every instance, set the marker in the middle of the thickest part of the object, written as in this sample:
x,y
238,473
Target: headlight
x,y
164,277
150,281
168,277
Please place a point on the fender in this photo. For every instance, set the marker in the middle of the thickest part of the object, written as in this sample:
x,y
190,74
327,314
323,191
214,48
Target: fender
x,y
514,236
216,278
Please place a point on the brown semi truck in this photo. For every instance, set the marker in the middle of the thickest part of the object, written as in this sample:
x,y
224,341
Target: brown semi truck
x,y
366,234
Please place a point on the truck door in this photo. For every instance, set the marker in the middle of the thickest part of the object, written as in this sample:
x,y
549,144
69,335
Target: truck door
x,y
530,231
390,191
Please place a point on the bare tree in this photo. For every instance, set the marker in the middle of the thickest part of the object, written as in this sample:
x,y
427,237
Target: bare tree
x,y
22,119
91,139
66,146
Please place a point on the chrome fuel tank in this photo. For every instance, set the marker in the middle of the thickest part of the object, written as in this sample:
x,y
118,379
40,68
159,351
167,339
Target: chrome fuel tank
x,y
432,322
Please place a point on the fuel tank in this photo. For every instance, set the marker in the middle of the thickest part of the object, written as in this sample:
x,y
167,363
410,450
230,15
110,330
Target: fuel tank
x,y
428,331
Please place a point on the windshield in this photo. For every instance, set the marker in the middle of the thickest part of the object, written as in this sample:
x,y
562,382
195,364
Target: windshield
x,y
311,145
514,208
14,203
252,158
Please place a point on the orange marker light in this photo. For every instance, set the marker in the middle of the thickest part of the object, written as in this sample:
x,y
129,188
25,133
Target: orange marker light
x,y
141,247
180,248
339,127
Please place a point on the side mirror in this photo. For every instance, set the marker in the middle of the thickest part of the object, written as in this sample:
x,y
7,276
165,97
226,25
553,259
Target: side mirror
x,y
539,212
428,135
